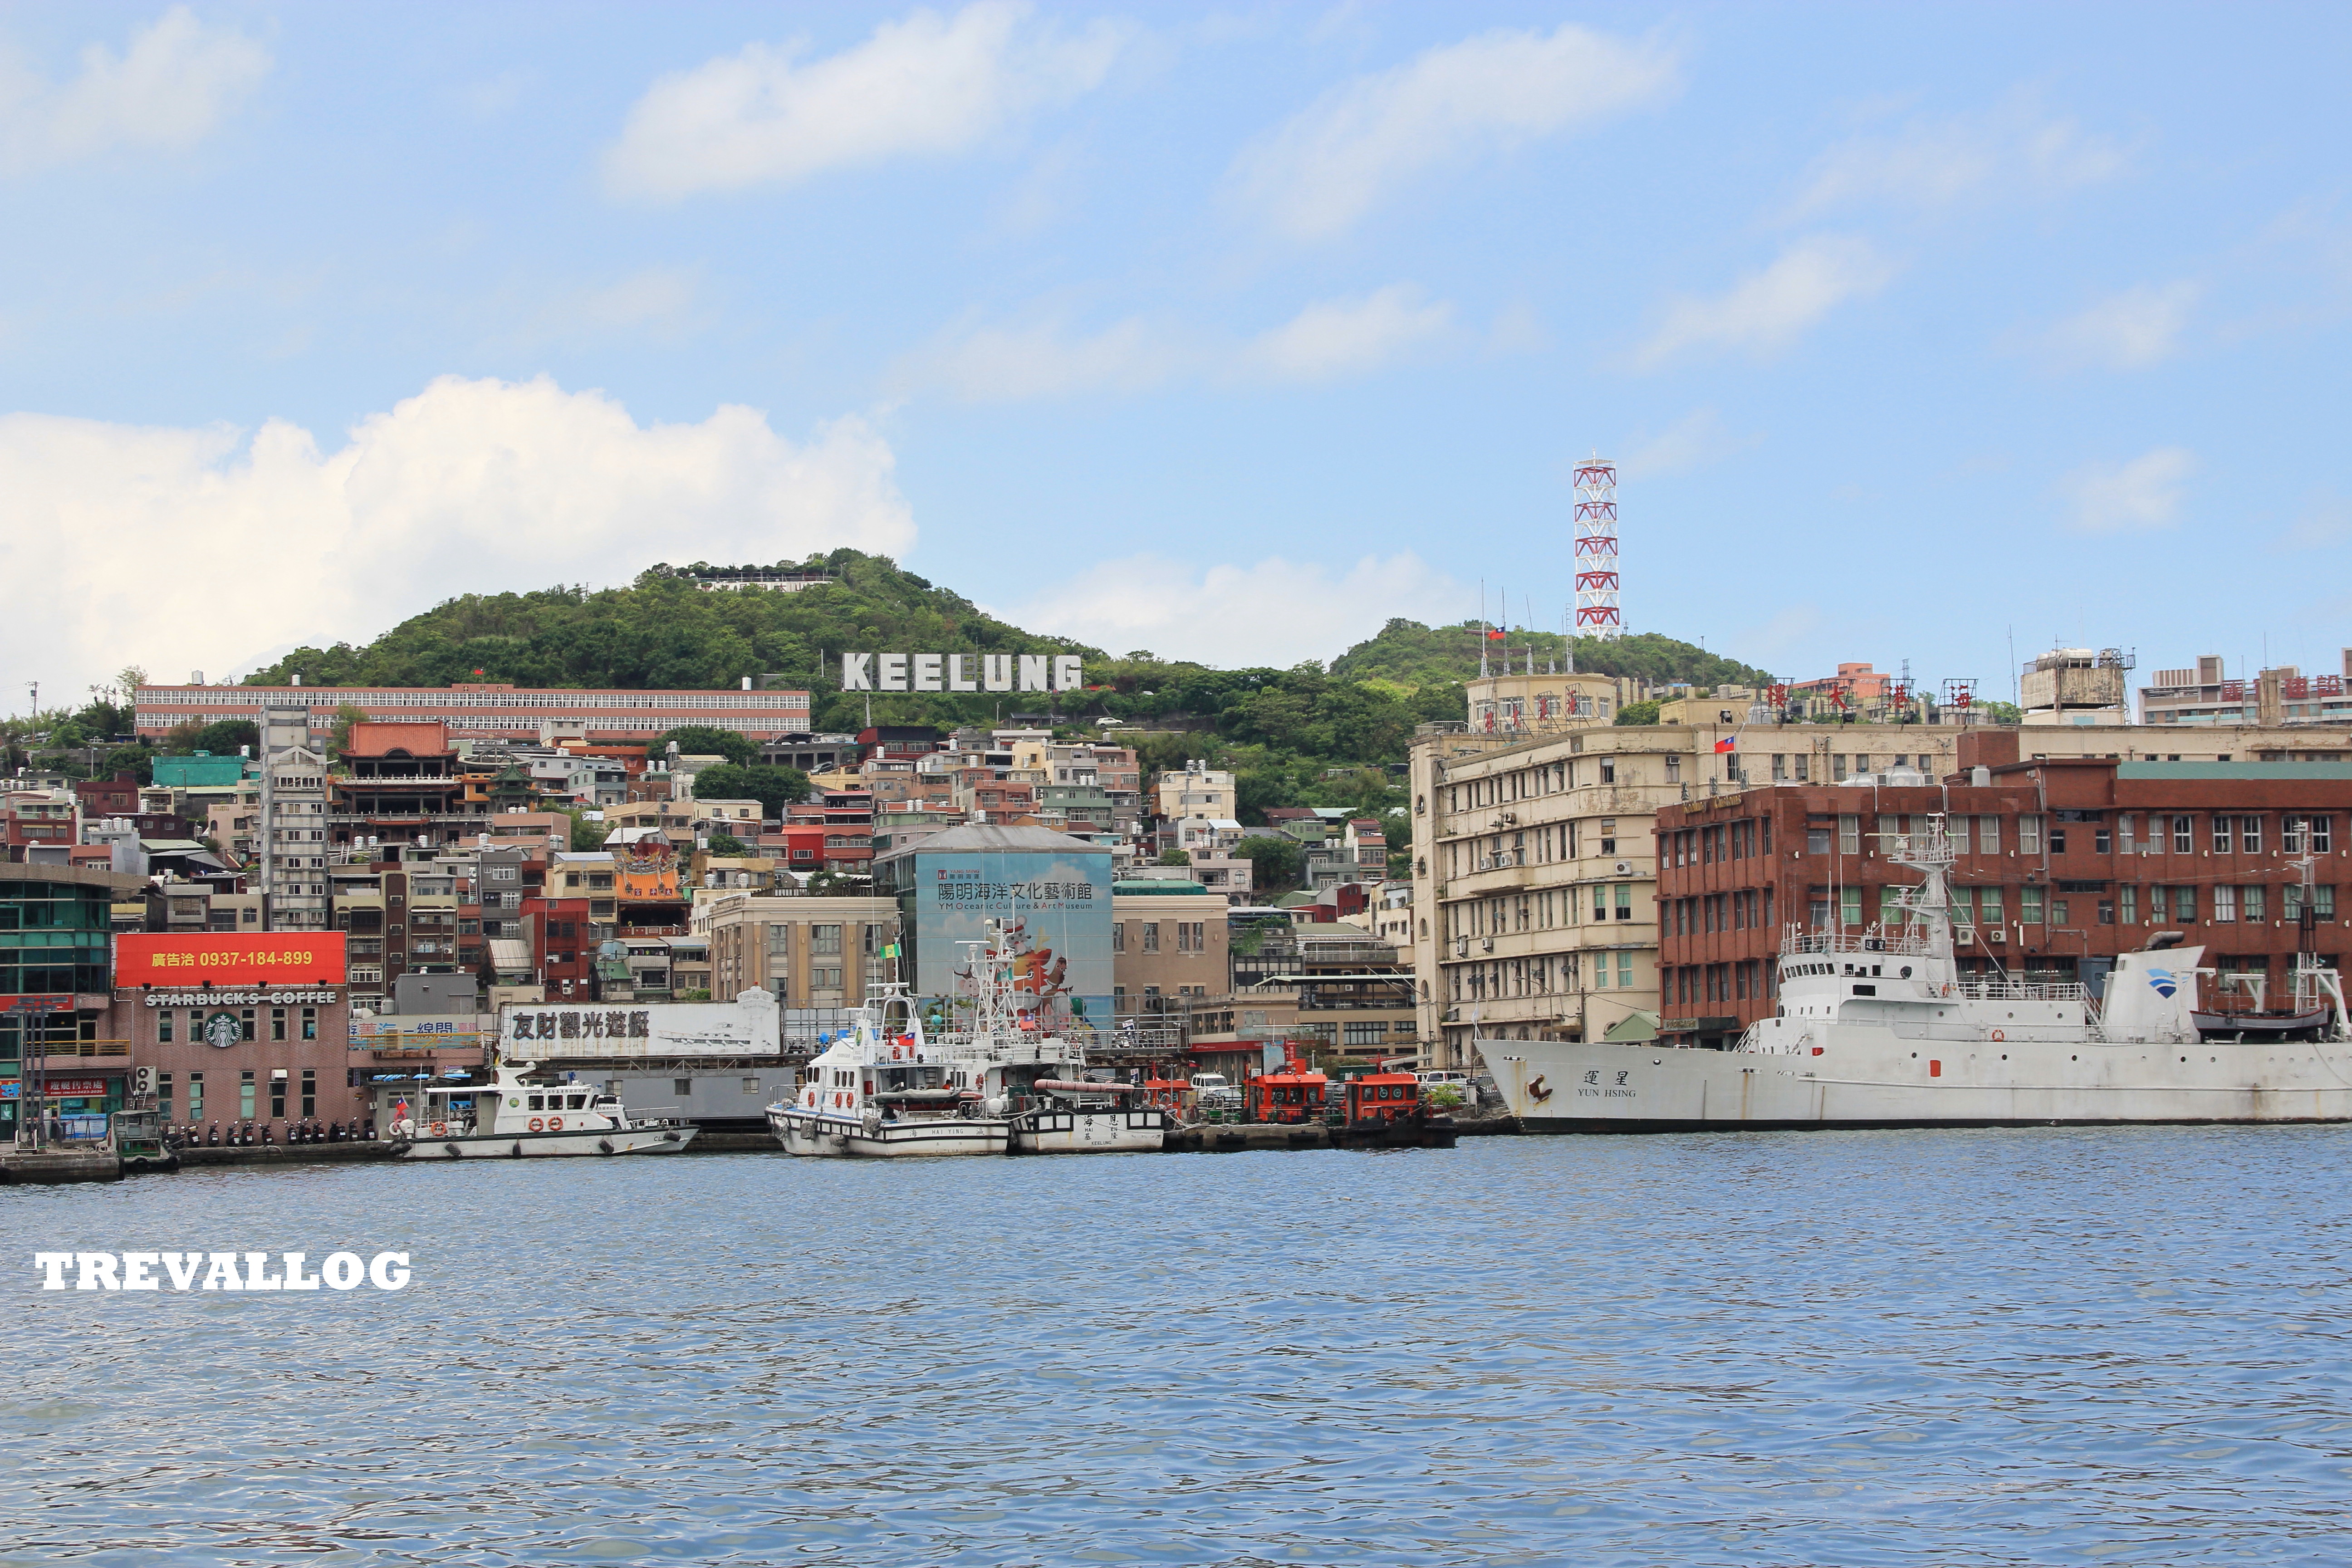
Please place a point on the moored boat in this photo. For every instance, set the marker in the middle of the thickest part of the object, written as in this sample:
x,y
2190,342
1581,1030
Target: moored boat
x,y
516,1116
882,1089
1884,1030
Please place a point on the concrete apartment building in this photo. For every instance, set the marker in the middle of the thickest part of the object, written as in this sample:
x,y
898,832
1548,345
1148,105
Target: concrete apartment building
x,y
812,953
2061,864
1198,790
1535,874
2204,695
483,709
1167,946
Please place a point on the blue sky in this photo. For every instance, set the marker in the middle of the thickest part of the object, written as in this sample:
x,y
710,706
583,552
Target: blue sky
x,y
1223,333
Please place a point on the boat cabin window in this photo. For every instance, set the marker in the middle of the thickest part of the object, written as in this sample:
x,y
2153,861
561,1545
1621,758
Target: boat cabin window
x,y
538,1102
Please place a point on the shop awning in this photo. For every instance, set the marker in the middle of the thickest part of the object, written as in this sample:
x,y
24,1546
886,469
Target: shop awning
x,y
510,954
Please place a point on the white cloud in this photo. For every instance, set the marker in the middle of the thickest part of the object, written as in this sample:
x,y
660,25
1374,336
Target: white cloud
x,y
1275,613
1326,166
2144,492
1342,337
2326,523
2130,331
176,82
1769,310
2013,149
1327,339
1696,439
929,84
188,548
657,302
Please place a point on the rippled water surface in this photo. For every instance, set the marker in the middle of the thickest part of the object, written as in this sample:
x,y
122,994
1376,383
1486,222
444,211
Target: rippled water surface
x,y
1921,1348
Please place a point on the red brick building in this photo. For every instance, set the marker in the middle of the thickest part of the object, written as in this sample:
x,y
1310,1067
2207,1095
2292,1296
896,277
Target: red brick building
x,y
2060,864
565,940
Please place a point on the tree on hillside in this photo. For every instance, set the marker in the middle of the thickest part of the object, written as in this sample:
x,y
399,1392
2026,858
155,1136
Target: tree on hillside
x,y
348,714
773,788
704,741
1275,865
224,736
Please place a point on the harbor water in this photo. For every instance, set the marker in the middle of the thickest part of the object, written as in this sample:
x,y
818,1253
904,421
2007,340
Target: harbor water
x,y
2125,1346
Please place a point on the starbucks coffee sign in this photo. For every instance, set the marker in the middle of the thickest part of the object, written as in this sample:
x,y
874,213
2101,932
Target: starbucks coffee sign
x,y
962,673
222,1030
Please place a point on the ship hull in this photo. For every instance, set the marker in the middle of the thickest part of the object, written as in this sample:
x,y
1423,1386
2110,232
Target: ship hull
x,y
1860,1081
816,1135
1090,1132
586,1141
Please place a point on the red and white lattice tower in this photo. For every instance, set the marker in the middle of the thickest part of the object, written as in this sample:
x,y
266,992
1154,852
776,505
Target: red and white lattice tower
x,y
1596,549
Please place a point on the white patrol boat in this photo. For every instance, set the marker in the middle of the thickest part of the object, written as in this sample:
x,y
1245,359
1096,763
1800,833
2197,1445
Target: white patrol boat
x,y
881,1091
1885,1031
514,1117
1035,1076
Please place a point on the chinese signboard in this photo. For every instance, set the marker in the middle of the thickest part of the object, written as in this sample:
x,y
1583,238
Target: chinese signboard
x,y
228,958
1055,905
555,1032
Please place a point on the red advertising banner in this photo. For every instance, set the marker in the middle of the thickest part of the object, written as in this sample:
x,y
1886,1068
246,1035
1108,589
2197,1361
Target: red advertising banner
x,y
229,958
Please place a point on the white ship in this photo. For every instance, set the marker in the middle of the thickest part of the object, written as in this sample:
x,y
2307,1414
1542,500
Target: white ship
x,y
1001,1082
513,1118
881,1089
1885,1031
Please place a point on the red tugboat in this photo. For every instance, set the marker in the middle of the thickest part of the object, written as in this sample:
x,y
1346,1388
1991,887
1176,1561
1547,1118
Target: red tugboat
x,y
1386,1110
1294,1093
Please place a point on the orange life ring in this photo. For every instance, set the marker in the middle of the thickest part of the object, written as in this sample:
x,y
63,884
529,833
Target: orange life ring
x,y
555,1124
440,1129
536,1124
1999,1036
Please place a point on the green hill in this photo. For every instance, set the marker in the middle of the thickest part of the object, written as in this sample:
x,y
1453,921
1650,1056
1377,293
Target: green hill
x,y
1412,654
1299,736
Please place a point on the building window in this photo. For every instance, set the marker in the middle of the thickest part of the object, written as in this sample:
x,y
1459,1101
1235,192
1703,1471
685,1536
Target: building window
x,y
2131,903
164,1094
195,1097
277,1022
1150,936
2222,837
2028,906
1193,936
310,1093
1118,936
1609,770
1624,901
2184,901
825,979
1608,835
681,1086
2028,834
2225,902
1957,828
1780,767
1625,970
277,1098
2058,912
1849,835
1988,835
1989,906
1817,838
1850,906
245,1090
2250,834
2184,836
2251,901
163,1026
826,942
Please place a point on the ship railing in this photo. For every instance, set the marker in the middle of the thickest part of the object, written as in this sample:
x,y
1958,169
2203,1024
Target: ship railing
x,y
2023,991
1828,942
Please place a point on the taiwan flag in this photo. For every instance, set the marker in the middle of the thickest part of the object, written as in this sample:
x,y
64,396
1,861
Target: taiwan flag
x,y
1729,743
1492,635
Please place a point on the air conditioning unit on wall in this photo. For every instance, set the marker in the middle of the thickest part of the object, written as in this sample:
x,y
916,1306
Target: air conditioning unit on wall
x,y
1624,868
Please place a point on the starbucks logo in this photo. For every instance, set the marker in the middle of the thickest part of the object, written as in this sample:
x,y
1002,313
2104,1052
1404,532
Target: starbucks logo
x,y
222,1030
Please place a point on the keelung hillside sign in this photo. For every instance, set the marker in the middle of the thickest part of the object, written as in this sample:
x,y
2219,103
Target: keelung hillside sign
x,y
962,673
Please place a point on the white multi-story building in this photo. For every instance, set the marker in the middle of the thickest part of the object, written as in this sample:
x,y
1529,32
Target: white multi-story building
x,y
1198,791
290,839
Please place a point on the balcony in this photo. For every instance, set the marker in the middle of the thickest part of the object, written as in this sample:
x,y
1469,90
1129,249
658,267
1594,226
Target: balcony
x,y
56,1048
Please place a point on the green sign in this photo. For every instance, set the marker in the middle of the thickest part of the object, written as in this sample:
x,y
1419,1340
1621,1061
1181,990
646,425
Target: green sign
x,y
224,1030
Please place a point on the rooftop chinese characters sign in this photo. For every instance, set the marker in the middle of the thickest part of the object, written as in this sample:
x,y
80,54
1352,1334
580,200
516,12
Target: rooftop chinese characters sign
x,y
226,958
